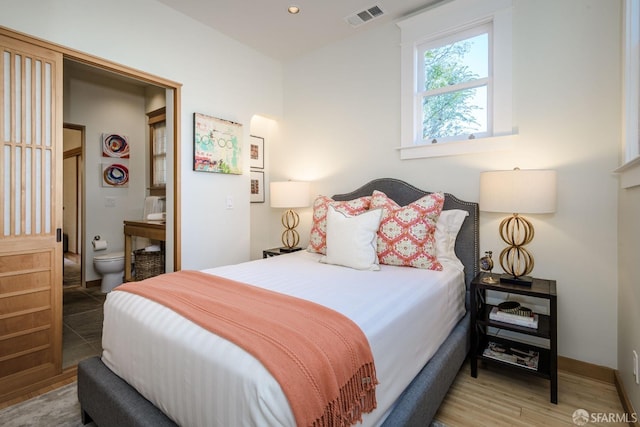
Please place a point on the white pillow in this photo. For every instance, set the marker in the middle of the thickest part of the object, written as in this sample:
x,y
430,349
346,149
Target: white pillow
x,y
352,240
447,228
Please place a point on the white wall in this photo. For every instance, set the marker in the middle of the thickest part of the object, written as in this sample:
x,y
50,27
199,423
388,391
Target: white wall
x,y
112,107
341,129
220,77
629,293
262,227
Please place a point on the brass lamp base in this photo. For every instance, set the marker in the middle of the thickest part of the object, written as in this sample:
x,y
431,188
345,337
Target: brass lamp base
x,y
521,281
290,237
285,249
515,260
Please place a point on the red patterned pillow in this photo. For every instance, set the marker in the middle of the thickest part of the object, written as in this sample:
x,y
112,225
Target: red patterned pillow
x,y
406,234
318,237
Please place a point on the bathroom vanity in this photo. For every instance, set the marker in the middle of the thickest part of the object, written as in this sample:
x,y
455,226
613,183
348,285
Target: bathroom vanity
x,y
155,230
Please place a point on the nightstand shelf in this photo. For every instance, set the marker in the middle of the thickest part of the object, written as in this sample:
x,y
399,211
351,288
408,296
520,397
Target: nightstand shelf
x,y
543,330
483,329
268,253
544,368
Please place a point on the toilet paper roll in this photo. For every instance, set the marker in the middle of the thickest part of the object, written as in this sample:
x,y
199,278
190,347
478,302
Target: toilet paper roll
x,y
99,245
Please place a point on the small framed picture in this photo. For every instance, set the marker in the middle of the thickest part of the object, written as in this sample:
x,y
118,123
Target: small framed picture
x,y
115,145
257,187
256,149
115,175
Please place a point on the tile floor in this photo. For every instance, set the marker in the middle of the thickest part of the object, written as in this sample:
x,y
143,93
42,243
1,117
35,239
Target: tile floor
x,y
82,324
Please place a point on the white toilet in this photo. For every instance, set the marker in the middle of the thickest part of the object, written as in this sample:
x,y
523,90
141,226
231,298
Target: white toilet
x,y
111,268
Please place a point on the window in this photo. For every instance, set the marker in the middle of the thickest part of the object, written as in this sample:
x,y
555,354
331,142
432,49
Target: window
x,y
454,87
456,79
631,91
158,149
630,169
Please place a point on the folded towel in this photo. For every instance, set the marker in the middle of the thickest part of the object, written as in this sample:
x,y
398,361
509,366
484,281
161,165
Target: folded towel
x,y
158,216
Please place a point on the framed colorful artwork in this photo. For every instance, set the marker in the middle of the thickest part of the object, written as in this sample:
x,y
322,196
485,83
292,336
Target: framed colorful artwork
x,y
115,145
257,187
217,145
115,175
256,148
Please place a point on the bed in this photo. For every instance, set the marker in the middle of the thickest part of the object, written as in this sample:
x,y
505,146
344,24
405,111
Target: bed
x,y
408,397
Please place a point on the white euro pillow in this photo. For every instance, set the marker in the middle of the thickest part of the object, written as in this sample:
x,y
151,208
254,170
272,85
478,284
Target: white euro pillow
x,y
352,240
447,228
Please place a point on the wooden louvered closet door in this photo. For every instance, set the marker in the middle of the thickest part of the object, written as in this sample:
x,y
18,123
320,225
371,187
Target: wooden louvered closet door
x,y
31,206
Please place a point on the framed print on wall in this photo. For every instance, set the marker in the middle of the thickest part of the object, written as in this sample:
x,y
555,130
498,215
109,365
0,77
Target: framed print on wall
x,y
256,148
115,175
115,145
217,145
257,187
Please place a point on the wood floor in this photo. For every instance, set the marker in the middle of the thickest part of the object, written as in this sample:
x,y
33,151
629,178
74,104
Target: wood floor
x,y
497,398
505,398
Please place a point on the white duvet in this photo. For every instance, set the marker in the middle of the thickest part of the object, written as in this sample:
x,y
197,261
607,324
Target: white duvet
x,y
200,379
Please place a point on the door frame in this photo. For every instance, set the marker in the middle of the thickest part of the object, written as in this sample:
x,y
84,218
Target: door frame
x,y
80,231
173,113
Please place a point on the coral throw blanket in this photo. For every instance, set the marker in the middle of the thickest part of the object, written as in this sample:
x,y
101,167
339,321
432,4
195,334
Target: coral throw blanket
x,y
320,358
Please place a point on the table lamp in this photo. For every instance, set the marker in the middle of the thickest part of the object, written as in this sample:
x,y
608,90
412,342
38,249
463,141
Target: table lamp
x,y
517,192
289,195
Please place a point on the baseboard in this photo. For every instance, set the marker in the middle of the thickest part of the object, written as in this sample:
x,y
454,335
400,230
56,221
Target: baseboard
x,y
589,370
624,399
92,283
601,373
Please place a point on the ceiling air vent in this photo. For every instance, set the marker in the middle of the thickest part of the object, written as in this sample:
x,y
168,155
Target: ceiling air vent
x,y
366,15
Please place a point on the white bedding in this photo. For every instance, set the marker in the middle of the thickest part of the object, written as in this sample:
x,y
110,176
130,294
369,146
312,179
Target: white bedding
x,y
199,379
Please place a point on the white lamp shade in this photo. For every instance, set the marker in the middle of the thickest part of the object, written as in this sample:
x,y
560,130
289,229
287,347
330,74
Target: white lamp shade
x,y
289,194
518,191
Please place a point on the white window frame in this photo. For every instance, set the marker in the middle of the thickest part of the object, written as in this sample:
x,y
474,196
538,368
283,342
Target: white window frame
x,y
420,93
444,21
630,169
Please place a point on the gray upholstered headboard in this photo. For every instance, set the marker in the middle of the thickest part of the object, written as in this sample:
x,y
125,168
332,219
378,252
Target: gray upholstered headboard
x,y
403,194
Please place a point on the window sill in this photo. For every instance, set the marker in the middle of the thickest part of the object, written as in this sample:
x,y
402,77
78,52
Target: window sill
x,y
629,173
455,148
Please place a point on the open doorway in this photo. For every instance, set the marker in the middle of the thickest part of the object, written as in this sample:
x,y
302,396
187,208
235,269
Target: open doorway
x,y
82,307
104,103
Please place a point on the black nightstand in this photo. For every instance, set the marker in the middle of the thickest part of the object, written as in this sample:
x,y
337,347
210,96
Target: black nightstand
x,y
278,251
547,329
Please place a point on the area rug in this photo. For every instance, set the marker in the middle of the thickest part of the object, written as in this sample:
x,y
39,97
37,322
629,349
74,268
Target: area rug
x,y
59,408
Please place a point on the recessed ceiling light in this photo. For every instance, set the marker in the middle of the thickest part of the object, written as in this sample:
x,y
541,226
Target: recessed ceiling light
x,y
293,10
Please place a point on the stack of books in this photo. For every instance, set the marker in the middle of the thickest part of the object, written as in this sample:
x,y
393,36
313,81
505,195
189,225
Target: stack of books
x,y
525,358
515,319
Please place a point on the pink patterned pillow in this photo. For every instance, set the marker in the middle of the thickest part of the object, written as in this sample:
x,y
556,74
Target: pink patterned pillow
x,y
406,234
318,237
